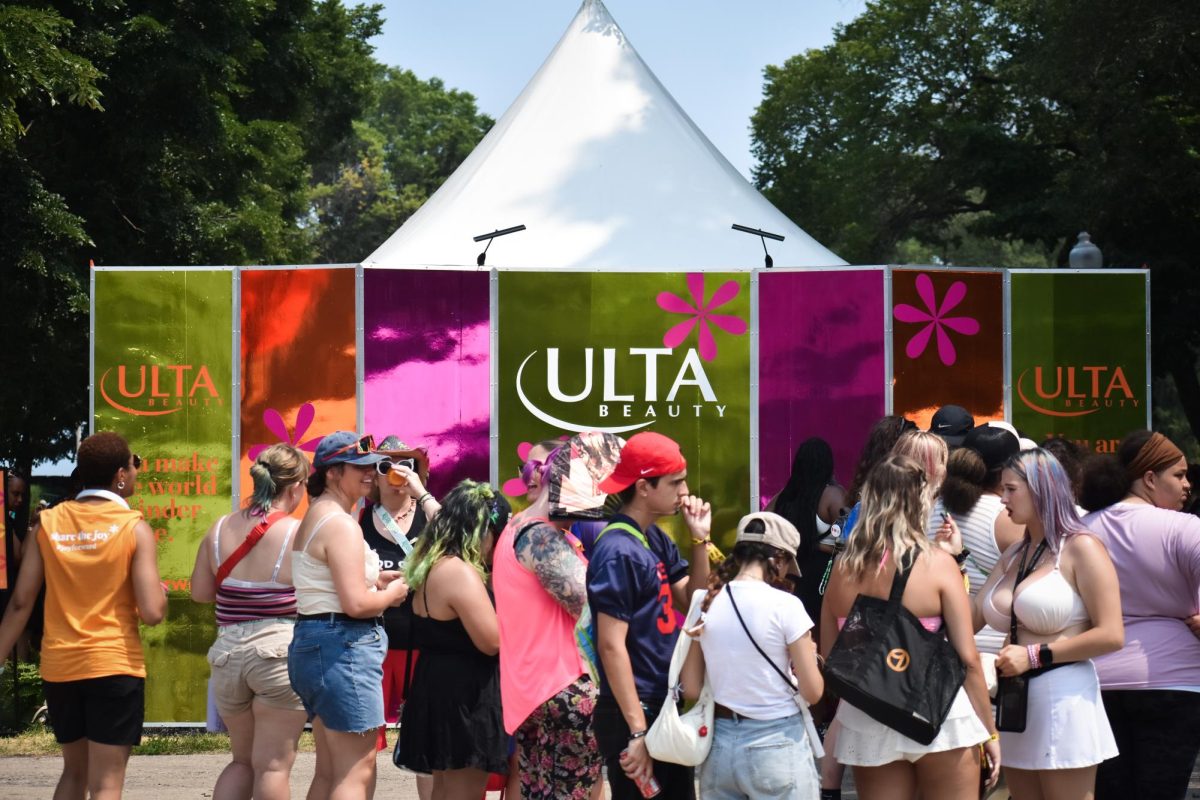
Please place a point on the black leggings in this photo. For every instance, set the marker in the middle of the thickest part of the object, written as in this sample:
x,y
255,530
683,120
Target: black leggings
x,y
1158,736
612,736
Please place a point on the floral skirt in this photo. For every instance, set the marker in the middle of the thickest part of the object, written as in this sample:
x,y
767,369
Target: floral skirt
x,y
559,757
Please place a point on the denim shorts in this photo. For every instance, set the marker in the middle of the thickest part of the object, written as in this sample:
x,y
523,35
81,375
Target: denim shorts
x,y
336,667
760,758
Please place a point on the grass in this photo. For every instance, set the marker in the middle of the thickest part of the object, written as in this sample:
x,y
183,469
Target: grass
x,y
40,742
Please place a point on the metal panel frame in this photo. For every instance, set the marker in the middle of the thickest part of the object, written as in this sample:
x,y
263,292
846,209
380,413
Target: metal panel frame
x,y
360,374
494,377
889,367
235,474
91,426
755,347
1007,334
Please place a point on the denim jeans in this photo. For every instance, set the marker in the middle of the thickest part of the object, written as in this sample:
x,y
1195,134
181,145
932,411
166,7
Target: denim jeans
x,y
752,758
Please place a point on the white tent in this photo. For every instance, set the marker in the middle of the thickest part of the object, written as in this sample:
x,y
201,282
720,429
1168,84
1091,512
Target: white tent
x,y
605,170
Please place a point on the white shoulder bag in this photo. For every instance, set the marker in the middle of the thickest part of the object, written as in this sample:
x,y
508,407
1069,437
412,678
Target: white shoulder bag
x,y
683,738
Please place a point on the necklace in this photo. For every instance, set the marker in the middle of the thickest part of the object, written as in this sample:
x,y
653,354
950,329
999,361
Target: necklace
x,y
390,524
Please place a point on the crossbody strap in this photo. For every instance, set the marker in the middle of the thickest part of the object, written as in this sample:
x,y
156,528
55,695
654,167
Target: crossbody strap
x,y
766,657
632,531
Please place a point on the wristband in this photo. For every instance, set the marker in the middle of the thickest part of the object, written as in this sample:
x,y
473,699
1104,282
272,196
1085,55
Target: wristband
x,y
962,556
639,735
701,541
427,496
1035,660
995,737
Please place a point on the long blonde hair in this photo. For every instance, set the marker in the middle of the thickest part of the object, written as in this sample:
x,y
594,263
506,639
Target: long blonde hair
x,y
894,510
930,451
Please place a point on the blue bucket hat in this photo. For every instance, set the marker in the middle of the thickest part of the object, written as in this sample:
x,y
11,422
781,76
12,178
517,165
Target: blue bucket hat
x,y
346,447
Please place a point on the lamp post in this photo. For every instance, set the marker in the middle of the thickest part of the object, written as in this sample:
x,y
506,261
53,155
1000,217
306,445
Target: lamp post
x,y
1085,255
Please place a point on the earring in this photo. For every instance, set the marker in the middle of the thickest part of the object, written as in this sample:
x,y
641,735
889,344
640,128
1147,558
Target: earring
x,y
120,484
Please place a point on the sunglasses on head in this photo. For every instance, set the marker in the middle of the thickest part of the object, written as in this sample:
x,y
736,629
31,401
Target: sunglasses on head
x,y
362,447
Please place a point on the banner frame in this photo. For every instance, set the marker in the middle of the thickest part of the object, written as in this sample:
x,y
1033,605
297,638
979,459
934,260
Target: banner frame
x,y
1102,271
493,376
755,349
235,473
360,355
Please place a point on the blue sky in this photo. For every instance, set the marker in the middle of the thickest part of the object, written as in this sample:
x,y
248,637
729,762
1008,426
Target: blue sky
x,y
710,55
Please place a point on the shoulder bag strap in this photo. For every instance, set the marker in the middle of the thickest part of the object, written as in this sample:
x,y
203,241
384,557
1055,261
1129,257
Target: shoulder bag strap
x,y
766,657
632,531
899,582
246,546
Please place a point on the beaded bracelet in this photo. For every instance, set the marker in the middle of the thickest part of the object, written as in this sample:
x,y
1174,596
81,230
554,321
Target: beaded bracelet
x,y
1035,658
427,496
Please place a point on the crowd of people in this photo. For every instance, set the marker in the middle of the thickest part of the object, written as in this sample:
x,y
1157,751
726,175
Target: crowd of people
x,y
534,648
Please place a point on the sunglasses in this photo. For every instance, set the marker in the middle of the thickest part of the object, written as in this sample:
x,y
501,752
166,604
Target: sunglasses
x,y
385,466
362,447
137,461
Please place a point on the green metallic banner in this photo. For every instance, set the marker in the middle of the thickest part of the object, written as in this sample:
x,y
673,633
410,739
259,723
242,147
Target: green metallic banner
x,y
1079,355
163,378
624,352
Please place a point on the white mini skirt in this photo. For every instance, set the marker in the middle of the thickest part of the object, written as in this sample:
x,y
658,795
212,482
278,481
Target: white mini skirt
x,y
864,742
1066,726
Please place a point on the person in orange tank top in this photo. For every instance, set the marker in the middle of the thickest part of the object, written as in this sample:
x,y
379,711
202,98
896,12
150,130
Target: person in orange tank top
x,y
97,559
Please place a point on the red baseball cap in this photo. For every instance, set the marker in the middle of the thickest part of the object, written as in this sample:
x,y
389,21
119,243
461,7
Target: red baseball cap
x,y
645,455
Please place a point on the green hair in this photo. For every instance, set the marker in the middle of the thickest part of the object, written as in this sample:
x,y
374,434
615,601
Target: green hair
x,y
468,512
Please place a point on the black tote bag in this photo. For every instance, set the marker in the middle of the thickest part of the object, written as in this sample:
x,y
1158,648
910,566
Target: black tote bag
x,y
888,666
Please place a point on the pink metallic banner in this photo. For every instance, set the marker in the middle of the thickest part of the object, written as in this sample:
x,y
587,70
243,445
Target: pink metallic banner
x,y
820,367
428,368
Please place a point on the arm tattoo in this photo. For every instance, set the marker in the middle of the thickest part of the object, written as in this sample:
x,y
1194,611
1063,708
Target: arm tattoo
x,y
544,552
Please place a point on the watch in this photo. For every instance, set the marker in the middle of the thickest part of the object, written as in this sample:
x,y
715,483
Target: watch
x,y
1045,655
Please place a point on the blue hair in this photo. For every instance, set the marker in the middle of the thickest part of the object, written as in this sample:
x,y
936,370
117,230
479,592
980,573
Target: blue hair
x,y
1053,500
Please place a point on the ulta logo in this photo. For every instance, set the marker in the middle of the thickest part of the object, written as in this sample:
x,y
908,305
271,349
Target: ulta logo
x,y
690,372
160,390
1076,391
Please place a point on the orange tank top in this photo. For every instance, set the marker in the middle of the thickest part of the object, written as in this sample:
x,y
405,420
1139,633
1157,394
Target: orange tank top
x,y
91,612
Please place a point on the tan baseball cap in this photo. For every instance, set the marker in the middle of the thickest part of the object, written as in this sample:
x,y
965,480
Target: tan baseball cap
x,y
768,527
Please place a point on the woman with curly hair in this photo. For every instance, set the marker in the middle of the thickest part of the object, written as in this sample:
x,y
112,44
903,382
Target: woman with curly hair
x,y
452,725
754,633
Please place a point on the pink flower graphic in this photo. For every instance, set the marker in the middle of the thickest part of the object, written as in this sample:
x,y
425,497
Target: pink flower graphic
x,y
515,487
700,312
276,425
935,319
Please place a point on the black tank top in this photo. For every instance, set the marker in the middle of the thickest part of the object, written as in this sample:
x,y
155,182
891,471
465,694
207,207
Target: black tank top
x,y
397,620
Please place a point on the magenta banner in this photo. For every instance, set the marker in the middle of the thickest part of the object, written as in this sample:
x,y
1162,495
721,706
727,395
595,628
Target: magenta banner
x,y
821,367
427,367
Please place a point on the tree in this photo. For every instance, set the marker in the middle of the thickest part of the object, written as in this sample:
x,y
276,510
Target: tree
x,y
1014,121
412,137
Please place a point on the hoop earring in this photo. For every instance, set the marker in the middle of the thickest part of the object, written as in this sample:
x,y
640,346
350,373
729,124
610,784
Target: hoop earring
x,y
120,484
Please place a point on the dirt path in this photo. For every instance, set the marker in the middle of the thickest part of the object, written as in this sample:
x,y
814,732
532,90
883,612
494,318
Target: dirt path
x,y
178,777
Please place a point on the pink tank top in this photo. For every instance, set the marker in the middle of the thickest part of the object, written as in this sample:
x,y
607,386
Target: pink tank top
x,y
538,654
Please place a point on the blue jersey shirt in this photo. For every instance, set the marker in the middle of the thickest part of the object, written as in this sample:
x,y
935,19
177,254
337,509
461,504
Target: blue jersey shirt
x,y
632,583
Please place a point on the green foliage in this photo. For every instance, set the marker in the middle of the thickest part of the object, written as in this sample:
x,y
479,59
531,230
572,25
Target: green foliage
x,y
17,706
1009,125
411,138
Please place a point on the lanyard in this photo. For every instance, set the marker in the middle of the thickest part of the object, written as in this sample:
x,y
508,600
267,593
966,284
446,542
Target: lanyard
x,y
1022,574
393,528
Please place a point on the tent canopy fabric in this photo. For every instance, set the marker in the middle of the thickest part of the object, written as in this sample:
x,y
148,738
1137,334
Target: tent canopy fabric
x,y
605,170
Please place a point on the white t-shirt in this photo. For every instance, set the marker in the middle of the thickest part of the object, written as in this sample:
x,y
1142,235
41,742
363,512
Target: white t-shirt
x,y
741,679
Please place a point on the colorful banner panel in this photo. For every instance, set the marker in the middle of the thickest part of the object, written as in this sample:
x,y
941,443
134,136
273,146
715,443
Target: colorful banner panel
x,y
625,352
1079,358
428,367
947,343
298,360
163,360
821,367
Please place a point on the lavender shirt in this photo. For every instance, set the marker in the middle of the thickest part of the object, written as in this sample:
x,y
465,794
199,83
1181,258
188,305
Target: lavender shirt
x,y
1157,556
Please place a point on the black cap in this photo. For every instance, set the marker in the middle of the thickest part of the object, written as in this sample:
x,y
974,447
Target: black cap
x,y
952,423
995,445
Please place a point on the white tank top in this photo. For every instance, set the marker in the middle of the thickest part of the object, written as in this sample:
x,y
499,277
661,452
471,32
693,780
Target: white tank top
x,y
315,593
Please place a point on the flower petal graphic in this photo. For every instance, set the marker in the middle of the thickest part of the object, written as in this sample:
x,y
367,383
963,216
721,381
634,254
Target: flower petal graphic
x,y
675,336
311,445
967,326
708,346
669,301
523,451
275,424
945,347
514,487
728,323
254,452
695,282
954,296
916,345
928,295
724,293
906,313
304,418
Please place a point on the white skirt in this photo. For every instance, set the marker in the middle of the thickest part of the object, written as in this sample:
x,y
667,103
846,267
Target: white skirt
x,y
1066,727
865,742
